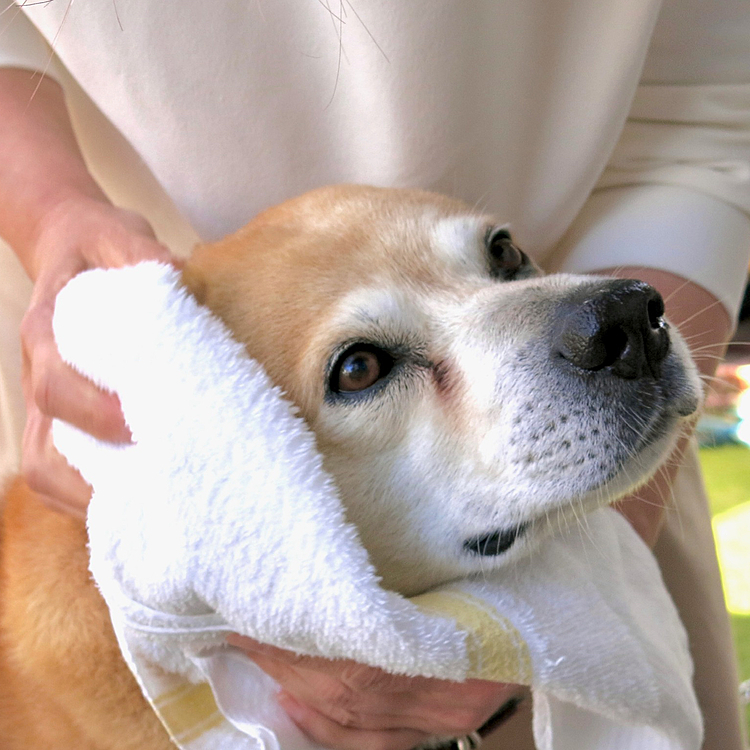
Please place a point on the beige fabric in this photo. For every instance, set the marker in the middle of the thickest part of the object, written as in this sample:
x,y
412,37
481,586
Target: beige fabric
x,y
516,107
15,289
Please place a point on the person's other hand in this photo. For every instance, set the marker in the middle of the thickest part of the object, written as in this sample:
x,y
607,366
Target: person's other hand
x,y
75,236
348,706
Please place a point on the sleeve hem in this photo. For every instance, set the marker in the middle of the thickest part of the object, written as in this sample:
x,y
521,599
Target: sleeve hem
x,y
675,229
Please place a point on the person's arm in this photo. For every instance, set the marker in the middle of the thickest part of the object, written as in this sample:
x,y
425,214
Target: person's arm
x,y
706,326
59,223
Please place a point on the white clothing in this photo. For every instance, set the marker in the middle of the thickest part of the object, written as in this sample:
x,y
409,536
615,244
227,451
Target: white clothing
x,y
515,106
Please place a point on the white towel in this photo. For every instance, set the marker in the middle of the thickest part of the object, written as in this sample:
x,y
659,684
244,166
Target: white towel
x,y
220,518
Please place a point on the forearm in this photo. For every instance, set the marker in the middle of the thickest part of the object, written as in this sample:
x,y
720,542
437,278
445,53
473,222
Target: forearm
x,y
42,165
59,223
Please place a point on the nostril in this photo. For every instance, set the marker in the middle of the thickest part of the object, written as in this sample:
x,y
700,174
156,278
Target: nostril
x,y
655,310
615,341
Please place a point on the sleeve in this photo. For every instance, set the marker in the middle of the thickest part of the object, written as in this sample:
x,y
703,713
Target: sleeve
x,y
22,46
676,192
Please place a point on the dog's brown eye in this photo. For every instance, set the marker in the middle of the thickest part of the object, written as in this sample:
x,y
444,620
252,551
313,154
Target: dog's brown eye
x,y
358,371
506,259
359,367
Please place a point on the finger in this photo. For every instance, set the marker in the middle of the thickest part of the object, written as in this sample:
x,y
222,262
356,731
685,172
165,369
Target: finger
x,y
328,733
335,700
433,706
274,652
60,392
127,250
64,394
95,234
358,676
318,663
47,473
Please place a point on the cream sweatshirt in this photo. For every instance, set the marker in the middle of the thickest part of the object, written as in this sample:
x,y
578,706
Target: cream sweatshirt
x,y
609,133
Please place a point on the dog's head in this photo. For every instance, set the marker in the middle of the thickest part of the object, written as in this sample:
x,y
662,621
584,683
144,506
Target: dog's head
x,y
463,403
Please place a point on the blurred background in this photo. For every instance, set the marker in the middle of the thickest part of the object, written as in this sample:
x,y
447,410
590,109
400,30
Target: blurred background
x,y
724,436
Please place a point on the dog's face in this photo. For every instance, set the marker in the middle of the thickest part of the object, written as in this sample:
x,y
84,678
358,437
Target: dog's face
x,y
463,403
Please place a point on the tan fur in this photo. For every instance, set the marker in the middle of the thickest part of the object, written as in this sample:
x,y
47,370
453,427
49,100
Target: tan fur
x,y
63,682
274,281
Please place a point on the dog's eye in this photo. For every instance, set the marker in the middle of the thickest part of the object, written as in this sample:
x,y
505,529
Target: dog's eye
x,y
505,258
360,367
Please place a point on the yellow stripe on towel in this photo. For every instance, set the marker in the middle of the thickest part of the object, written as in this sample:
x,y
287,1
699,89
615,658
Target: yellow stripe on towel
x,y
495,648
188,711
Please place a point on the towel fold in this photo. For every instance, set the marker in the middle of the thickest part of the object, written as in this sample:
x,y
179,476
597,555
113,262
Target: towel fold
x,y
220,518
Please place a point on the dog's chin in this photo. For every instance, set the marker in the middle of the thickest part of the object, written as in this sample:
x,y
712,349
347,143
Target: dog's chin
x,y
497,546
501,544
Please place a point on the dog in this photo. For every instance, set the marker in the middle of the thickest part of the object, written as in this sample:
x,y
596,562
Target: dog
x,y
465,404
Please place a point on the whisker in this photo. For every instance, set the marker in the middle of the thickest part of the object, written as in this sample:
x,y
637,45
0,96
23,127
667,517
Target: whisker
x,y
52,52
117,14
330,11
340,34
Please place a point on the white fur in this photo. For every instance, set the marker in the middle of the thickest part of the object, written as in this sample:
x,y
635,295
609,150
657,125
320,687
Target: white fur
x,y
514,441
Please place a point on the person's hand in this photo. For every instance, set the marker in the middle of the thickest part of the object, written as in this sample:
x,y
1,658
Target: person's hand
x,y
76,235
348,706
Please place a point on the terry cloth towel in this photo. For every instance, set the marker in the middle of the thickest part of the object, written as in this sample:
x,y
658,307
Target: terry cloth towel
x,y
221,518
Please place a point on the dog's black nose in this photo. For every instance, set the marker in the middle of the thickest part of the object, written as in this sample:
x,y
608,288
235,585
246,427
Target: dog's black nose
x,y
619,326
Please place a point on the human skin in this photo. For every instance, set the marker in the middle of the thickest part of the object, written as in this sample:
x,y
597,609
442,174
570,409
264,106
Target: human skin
x,y
60,223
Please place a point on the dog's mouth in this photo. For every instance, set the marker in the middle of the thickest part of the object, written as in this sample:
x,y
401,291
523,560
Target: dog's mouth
x,y
496,542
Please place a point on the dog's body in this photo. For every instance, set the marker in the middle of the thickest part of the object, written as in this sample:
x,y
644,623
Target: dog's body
x,y
463,404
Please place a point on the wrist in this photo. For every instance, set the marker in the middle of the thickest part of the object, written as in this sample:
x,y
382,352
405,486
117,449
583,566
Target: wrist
x,y
42,165
81,232
61,219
